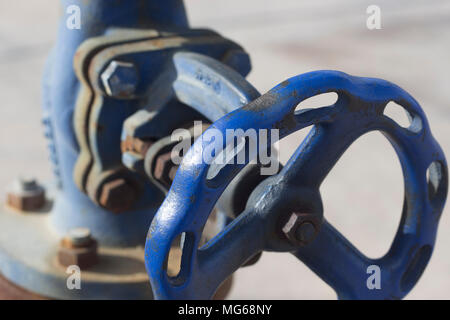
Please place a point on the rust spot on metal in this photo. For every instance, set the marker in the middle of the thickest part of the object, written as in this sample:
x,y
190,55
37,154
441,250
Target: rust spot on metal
x,y
26,196
26,203
285,83
263,102
288,122
135,145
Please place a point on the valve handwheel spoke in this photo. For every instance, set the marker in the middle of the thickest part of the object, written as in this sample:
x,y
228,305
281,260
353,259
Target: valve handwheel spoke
x,y
229,250
343,267
284,212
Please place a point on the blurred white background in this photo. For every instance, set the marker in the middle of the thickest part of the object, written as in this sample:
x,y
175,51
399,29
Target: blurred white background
x,y
363,194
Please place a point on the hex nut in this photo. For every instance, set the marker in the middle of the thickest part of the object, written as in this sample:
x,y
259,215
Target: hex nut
x,y
26,195
301,228
117,195
82,256
120,79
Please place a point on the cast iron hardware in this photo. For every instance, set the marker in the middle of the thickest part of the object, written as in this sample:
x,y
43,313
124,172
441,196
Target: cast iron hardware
x,y
295,192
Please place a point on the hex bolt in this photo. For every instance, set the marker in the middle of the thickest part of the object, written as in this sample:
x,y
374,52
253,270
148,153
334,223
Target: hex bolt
x,y
26,195
117,195
301,228
120,79
78,248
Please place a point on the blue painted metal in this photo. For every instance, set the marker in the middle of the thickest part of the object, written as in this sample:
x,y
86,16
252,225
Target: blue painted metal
x,y
148,34
206,85
197,83
358,110
63,87
124,22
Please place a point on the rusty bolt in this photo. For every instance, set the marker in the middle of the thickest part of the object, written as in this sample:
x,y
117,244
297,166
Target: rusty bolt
x,y
301,229
78,248
135,145
26,195
117,195
164,170
120,79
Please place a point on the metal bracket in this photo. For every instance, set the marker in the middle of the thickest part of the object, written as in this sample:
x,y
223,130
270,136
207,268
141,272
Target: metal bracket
x,y
99,116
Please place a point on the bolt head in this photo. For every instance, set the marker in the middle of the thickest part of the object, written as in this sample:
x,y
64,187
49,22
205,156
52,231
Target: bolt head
x,y
301,228
117,195
83,256
26,195
120,79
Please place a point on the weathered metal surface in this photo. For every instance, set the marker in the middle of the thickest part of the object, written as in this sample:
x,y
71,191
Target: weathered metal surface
x,y
158,163
84,100
104,26
120,79
123,60
31,262
26,195
90,149
78,248
148,70
358,110
104,116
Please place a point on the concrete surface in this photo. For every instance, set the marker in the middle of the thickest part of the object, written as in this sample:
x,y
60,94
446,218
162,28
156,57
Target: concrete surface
x,y
363,194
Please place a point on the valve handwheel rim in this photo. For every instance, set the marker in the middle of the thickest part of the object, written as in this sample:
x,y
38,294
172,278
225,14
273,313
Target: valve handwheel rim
x,y
295,191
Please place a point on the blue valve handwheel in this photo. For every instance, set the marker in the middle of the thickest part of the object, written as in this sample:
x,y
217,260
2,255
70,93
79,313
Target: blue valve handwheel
x,y
358,110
